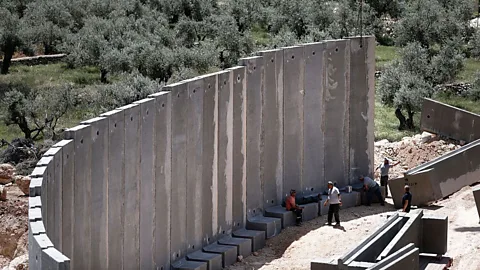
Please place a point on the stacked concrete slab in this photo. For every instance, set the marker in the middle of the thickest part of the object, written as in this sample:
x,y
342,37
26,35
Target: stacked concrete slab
x,y
451,172
183,178
399,243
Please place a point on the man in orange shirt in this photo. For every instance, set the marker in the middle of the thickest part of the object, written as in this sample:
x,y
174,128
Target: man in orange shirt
x,y
292,206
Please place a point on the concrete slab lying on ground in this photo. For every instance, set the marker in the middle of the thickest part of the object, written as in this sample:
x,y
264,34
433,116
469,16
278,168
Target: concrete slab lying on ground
x,y
310,211
405,258
271,226
189,265
229,253
288,217
257,237
476,195
324,264
214,261
435,235
244,245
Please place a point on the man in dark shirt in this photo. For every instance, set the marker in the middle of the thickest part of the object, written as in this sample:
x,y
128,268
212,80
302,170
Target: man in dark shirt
x,y
407,200
292,206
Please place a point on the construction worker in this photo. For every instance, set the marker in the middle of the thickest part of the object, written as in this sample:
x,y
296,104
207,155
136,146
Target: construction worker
x,y
384,168
371,187
290,205
335,202
407,200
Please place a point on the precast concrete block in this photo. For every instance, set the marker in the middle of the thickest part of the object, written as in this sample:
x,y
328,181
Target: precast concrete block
x,y
336,102
434,235
210,159
293,94
421,188
178,218
409,233
476,195
257,237
405,258
310,211
35,188
194,132
99,176
35,214
314,113
272,103
34,202
214,261
229,253
183,264
361,106
349,199
67,211
254,85
47,191
225,152
163,182
288,217
244,245
374,197
322,209
115,188
239,148
131,237
324,264
37,243
54,260
82,191
271,226
359,265
147,182
37,227
55,199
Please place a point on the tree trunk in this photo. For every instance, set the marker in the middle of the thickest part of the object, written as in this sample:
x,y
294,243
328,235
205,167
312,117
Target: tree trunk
x,y
401,119
410,124
103,76
7,59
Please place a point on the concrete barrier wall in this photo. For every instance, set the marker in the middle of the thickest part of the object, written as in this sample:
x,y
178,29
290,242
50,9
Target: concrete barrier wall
x,y
146,184
449,121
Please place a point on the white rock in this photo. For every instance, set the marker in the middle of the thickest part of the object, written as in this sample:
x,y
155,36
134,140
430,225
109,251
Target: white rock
x,y
17,262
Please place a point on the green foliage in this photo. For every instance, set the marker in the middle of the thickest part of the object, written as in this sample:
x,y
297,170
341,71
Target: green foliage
x,y
474,44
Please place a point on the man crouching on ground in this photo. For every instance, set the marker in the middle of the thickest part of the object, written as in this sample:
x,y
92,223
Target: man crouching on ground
x,y
292,206
335,203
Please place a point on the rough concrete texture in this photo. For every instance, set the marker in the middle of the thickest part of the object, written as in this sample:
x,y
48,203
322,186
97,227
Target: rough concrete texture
x,y
229,253
411,232
213,260
254,84
293,91
324,264
336,102
405,258
361,109
421,188
68,151
476,195
288,217
271,226
272,132
434,235
310,211
449,121
163,182
257,237
54,259
244,245
350,199
313,114
189,265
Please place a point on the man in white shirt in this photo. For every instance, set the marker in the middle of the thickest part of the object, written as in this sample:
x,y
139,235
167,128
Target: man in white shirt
x,y
335,203
372,188
384,168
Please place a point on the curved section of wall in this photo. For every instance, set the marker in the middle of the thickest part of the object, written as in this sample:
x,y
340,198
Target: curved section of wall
x,y
146,184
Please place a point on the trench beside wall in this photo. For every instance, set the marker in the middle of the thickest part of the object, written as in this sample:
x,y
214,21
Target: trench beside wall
x,y
145,184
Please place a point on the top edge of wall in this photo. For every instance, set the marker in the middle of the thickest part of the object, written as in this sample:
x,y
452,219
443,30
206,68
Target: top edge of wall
x,y
158,94
93,120
77,128
268,51
236,68
129,106
110,113
452,107
62,143
145,100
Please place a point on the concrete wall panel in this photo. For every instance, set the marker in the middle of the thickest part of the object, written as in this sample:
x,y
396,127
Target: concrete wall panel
x,y
116,187
421,186
254,86
239,147
476,195
272,154
147,182
225,152
194,164
132,189
434,235
81,135
47,173
293,93
446,120
314,121
210,164
361,107
99,176
178,218
163,182
57,236
336,101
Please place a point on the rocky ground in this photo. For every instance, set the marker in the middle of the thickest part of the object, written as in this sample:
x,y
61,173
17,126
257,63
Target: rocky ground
x,y
296,247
